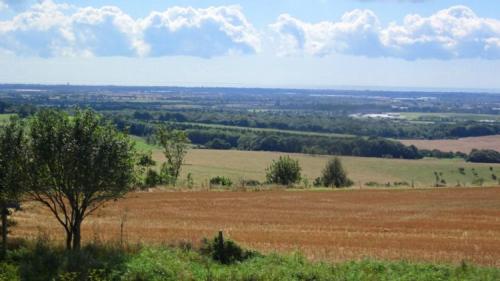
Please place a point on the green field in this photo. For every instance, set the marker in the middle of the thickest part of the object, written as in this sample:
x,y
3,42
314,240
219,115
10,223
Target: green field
x,y
5,117
204,164
239,128
420,116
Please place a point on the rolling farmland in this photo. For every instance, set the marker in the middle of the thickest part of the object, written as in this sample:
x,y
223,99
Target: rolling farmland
x,y
204,164
432,225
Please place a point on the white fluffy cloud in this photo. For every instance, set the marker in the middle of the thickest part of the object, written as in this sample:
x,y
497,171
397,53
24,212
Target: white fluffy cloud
x,y
48,29
199,32
456,32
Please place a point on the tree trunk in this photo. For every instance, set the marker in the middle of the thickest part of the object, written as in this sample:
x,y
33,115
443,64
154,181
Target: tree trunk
x,y
5,213
69,239
77,238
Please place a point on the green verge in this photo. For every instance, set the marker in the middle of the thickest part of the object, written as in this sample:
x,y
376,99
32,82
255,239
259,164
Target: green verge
x,y
104,262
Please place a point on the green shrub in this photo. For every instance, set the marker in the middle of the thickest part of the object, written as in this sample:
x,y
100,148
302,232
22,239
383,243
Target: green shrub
x,y
9,272
224,251
221,181
152,178
284,171
334,174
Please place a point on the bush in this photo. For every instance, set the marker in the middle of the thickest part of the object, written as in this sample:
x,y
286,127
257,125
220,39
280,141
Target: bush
x,y
484,156
250,183
9,272
334,174
224,251
221,181
152,178
284,171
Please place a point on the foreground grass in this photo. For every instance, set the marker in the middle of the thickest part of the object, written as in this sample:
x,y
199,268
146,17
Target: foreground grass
x,y
98,263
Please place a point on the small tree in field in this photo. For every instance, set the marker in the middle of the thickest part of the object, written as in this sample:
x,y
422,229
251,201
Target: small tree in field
x,y
12,171
175,146
76,164
284,171
334,174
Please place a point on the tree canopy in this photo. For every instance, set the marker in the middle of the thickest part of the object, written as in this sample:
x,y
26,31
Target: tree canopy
x,y
77,163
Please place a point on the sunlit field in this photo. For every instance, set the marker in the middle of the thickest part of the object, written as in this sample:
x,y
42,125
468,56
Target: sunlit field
x,y
237,165
433,225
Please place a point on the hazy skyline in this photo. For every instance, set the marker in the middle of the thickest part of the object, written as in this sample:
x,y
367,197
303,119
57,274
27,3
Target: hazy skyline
x,y
318,43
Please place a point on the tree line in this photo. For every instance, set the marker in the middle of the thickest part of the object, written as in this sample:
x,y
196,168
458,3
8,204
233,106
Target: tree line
x,y
325,122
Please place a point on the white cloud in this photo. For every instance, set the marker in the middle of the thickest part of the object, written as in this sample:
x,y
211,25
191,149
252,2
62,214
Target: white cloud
x,y
199,32
456,32
49,29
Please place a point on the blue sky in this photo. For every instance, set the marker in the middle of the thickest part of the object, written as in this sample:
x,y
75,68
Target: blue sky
x,y
295,43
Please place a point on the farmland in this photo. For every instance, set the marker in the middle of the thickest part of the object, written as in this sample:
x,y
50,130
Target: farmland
x,y
463,145
432,225
204,164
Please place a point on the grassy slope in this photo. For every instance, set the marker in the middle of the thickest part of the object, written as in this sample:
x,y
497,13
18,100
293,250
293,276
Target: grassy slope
x,y
204,164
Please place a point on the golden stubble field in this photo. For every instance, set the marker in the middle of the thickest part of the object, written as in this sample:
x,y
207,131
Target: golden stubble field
x,y
432,225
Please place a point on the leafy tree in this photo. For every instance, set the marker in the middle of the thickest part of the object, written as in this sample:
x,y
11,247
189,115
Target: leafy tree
x,y
285,171
175,145
335,175
77,164
484,156
144,165
12,171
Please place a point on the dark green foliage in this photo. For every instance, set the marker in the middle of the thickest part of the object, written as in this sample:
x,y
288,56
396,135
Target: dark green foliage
x,y
42,262
284,171
334,174
12,171
146,160
224,251
221,181
218,144
77,164
152,178
484,156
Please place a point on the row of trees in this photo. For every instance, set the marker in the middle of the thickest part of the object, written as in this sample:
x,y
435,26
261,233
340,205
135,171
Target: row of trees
x,y
287,171
327,122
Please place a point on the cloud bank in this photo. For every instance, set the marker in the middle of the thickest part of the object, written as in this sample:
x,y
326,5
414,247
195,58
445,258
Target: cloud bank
x,y
456,32
48,29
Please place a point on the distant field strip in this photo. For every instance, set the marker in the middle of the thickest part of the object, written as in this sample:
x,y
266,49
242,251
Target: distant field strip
x,y
253,129
433,225
463,145
413,116
204,164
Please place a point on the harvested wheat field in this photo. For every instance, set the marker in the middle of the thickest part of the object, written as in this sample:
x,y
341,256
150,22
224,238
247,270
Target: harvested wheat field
x,y
446,225
463,145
